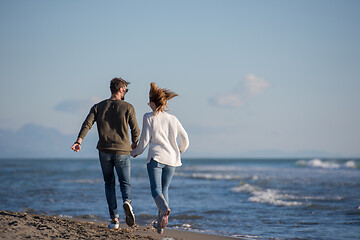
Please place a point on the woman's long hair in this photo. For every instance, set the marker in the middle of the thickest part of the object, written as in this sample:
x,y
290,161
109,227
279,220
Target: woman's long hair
x,y
160,96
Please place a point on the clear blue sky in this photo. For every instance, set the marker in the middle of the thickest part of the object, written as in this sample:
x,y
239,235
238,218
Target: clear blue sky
x,y
251,75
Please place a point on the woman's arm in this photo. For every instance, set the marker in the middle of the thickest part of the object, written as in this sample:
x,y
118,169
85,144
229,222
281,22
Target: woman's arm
x,y
144,138
183,137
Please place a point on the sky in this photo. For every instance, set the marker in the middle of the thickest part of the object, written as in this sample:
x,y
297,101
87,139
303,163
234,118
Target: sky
x,y
254,77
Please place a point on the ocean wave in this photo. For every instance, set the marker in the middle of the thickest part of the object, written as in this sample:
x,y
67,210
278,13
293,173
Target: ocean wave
x,y
209,176
267,196
320,206
187,227
277,198
65,216
186,217
145,216
272,197
89,217
246,237
245,188
183,227
352,164
210,168
320,198
217,212
318,163
83,181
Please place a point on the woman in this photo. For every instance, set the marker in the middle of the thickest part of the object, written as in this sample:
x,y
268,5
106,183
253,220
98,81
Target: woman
x,y
160,131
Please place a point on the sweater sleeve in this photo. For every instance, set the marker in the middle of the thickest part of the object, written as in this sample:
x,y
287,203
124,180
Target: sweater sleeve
x,y
88,123
183,137
135,131
144,137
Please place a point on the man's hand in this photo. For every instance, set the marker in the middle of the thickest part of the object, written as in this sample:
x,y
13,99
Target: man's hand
x,y
76,147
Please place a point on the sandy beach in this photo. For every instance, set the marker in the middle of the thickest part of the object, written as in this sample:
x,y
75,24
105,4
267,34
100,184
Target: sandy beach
x,y
15,225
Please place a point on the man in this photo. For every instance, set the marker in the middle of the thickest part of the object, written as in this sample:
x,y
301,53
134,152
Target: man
x,y
113,117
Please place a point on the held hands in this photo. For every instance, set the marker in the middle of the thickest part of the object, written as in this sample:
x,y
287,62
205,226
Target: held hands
x,y
133,146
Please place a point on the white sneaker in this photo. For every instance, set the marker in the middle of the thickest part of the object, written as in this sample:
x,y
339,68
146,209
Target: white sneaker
x,y
130,217
114,225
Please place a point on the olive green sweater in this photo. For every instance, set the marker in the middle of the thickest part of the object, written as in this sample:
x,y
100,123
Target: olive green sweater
x,y
113,118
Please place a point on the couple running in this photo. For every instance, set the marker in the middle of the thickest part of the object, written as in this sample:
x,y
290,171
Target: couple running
x,y
160,131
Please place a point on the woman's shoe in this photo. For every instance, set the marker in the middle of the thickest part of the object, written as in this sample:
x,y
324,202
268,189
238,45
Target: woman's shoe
x,y
156,225
164,218
164,211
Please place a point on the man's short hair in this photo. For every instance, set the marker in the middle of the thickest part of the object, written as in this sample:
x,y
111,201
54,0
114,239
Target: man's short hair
x,y
116,84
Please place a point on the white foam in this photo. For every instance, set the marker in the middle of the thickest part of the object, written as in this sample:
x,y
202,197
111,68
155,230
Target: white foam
x,y
209,176
322,164
272,197
186,225
317,163
351,164
84,181
211,168
268,196
320,198
246,237
245,188
65,216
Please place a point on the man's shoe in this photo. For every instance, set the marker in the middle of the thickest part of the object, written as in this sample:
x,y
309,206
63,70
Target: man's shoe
x,y
130,217
113,225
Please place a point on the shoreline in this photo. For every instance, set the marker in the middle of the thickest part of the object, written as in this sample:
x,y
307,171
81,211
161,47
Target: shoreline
x,y
14,225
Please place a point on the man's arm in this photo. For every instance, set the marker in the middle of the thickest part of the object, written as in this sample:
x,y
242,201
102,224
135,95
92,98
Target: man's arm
x,y
86,126
134,127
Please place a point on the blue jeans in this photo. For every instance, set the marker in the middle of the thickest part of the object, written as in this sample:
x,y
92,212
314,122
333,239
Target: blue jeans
x,y
160,176
122,166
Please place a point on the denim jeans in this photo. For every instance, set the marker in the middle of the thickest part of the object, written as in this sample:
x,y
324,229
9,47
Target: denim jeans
x,y
121,163
160,176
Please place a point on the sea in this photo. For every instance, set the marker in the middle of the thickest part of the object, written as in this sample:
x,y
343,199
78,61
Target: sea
x,y
242,198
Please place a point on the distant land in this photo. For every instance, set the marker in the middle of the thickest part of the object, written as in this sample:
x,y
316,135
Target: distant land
x,y
34,141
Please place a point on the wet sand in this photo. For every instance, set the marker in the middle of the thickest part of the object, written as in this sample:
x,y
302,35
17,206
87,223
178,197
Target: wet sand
x,y
32,226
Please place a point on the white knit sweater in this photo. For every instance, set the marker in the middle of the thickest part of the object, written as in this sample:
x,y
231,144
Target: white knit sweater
x,y
160,131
